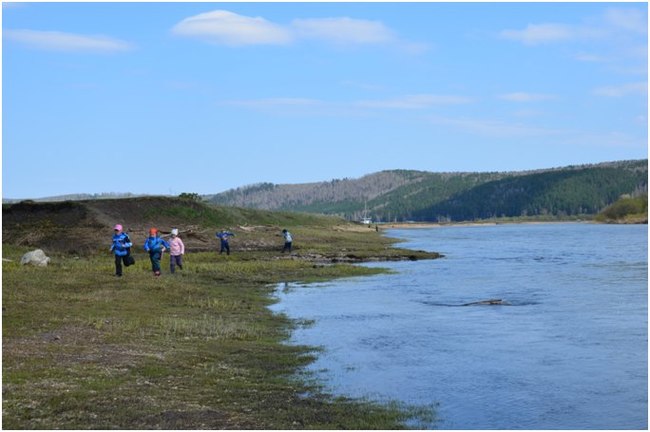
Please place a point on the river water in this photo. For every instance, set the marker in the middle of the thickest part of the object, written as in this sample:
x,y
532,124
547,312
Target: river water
x,y
568,350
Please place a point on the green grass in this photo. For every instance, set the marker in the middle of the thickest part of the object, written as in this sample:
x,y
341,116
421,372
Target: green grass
x,y
219,216
200,349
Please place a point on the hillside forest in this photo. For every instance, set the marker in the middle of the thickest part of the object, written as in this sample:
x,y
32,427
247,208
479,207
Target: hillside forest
x,y
403,195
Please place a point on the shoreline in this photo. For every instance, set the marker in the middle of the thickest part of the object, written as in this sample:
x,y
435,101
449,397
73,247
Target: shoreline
x,y
201,338
424,225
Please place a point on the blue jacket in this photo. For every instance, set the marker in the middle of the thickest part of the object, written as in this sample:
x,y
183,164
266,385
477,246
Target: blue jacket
x,y
155,244
223,236
121,244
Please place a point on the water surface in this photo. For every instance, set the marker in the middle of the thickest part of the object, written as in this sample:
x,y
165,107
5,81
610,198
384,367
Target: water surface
x,y
569,351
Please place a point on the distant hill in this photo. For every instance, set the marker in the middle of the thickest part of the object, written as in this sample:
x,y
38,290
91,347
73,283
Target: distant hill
x,y
402,195
75,197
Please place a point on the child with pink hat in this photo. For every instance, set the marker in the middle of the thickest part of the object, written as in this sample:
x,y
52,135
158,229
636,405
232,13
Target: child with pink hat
x,y
121,248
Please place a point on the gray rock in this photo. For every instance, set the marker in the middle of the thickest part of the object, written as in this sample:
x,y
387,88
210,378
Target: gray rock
x,y
36,257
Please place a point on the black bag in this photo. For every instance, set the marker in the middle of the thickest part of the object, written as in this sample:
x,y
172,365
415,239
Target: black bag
x,y
129,260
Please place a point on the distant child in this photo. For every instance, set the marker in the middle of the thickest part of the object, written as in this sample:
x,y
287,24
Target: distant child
x,y
155,246
121,248
176,251
224,236
287,241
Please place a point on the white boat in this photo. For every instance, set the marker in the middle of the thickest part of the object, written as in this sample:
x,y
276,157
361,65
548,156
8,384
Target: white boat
x,y
365,219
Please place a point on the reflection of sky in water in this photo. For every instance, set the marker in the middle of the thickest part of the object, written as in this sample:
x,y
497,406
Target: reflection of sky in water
x,y
571,351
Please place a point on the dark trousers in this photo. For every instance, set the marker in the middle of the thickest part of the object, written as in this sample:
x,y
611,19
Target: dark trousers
x,y
175,260
287,247
224,247
155,256
118,264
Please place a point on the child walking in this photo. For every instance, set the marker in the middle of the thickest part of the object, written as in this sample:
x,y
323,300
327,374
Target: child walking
x,y
155,246
287,241
224,236
176,251
121,248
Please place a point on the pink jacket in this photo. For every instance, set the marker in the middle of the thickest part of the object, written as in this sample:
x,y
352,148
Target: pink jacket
x,y
177,246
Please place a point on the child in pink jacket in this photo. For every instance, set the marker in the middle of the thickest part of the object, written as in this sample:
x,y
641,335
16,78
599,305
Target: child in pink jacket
x,y
176,251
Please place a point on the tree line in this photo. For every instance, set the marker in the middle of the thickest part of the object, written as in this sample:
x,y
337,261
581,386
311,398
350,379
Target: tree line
x,y
403,195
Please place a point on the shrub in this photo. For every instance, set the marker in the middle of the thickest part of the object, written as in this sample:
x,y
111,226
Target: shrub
x,y
626,206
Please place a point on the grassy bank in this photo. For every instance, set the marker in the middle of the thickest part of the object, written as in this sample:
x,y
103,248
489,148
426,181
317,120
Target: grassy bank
x,y
196,350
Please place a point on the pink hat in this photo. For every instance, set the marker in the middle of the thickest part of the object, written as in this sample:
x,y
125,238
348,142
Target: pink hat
x,y
117,227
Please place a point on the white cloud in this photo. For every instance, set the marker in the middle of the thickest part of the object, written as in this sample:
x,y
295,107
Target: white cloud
x,y
535,34
526,97
613,22
69,42
417,101
307,105
632,20
228,28
591,58
637,88
344,30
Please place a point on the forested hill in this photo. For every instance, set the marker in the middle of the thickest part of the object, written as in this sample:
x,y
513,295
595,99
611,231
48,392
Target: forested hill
x,y
426,196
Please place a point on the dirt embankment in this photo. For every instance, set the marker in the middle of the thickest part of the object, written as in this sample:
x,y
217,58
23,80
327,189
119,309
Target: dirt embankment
x,y
86,227
81,227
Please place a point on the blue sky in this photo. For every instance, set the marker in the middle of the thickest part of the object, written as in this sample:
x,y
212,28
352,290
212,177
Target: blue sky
x,y
164,98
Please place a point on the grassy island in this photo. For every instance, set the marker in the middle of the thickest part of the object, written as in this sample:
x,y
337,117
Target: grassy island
x,y
83,349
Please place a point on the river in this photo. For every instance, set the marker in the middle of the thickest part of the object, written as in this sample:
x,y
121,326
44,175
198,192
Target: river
x,y
568,349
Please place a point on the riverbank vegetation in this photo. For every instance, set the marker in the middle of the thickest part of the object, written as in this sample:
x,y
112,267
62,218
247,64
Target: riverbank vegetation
x,y
83,349
627,209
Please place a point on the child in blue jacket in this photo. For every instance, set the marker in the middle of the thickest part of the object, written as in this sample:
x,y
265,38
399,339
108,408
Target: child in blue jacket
x,y
121,248
155,245
223,236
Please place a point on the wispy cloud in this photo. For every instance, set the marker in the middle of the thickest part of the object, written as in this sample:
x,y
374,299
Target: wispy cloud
x,y
363,85
67,42
408,102
592,58
228,28
494,128
613,22
612,139
504,129
274,102
418,101
632,20
636,88
535,34
526,97
343,30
